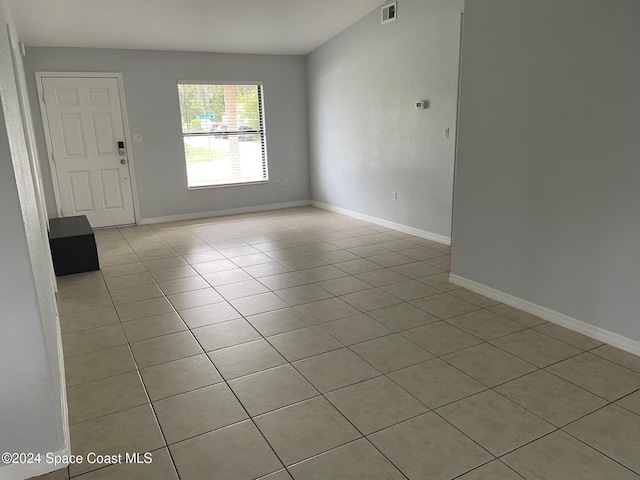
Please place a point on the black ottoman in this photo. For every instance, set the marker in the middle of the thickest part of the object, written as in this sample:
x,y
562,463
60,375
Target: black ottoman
x,y
73,245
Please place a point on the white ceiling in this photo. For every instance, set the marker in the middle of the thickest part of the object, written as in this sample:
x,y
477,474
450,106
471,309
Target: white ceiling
x,y
233,26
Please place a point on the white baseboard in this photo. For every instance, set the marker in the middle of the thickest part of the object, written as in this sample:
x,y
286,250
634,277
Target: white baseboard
x,y
17,471
384,223
552,316
221,213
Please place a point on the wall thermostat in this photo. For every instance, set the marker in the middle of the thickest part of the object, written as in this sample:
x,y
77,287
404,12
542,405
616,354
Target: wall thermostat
x,y
421,104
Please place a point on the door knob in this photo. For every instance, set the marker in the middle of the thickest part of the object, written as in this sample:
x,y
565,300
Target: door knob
x,y
123,161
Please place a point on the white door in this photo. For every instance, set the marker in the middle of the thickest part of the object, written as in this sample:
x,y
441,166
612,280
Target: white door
x,y
86,130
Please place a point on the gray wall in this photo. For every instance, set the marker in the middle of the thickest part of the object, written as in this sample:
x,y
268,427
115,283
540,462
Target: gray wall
x,y
366,138
150,80
30,418
548,170
32,402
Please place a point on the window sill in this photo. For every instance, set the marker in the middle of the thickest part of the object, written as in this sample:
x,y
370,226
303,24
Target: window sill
x,y
242,184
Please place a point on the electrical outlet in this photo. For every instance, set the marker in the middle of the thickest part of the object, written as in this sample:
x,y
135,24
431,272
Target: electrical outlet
x,y
285,182
277,182
137,138
394,196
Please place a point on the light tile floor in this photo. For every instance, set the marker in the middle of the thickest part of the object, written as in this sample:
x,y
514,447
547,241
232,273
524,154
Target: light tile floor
x,y
308,345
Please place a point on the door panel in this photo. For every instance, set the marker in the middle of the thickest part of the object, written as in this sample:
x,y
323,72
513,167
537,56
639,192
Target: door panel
x,y
110,188
85,124
81,192
67,97
98,97
72,135
103,135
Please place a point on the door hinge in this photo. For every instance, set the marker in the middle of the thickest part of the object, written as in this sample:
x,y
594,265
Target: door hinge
x,y
53,158
44,99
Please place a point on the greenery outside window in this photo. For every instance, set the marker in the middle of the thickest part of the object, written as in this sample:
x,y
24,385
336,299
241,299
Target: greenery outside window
x,y
223,134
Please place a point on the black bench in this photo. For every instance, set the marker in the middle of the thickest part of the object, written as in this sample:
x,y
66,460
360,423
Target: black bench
x,y
73,245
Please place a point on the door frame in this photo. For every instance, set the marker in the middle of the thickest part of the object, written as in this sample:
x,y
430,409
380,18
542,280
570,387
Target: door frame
x,y
49,143
457,138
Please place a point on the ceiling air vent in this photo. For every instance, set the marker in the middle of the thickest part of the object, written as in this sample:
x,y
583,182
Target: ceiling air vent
x,y
389,12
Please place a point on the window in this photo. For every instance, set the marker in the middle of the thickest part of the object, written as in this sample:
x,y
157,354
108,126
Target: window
x,y
223,134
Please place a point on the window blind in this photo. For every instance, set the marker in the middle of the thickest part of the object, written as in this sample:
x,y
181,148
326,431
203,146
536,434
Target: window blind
x,y
223,134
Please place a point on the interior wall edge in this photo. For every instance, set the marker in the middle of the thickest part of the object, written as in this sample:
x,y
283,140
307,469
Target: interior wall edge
x,y
39,423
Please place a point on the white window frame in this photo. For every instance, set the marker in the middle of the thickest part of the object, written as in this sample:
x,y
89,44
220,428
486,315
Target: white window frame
x,y
264,130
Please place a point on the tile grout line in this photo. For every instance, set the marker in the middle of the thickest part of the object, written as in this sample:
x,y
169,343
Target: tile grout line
x,y
144,387
399,332
250,417
581,351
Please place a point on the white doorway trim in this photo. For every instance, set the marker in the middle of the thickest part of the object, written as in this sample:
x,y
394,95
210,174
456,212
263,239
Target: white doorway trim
x,y
47,133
